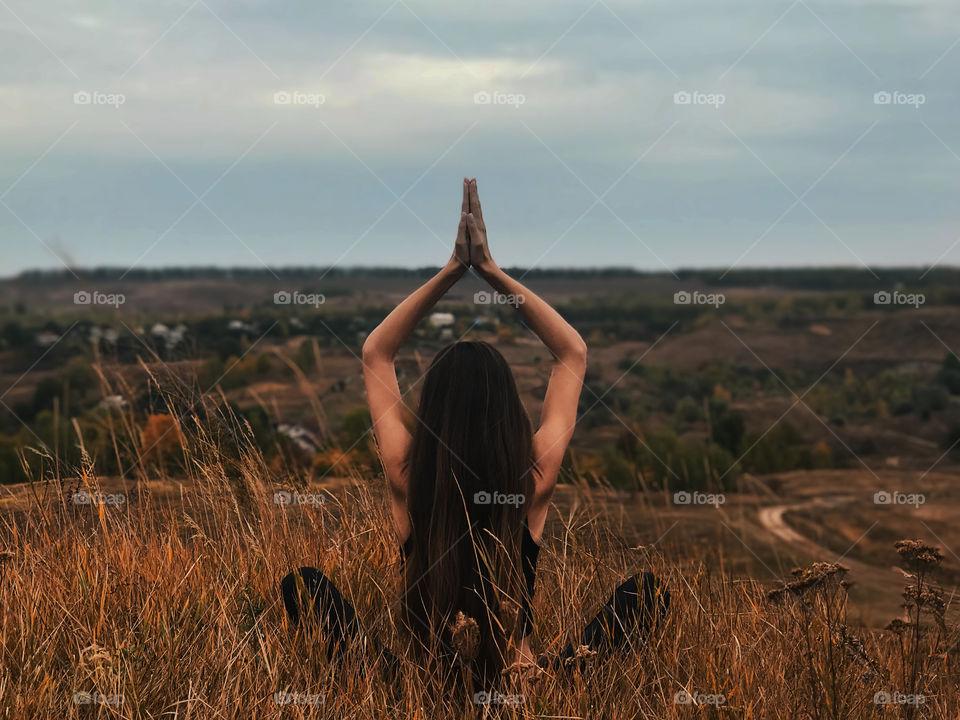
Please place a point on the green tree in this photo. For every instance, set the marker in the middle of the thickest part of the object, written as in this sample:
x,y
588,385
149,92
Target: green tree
x,y
949,374
728,430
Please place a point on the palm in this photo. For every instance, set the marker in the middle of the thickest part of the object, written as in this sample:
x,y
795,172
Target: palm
x,y
476,229
461,248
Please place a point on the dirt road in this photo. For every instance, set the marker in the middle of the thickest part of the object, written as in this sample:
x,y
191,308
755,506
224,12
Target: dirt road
x,y
886,582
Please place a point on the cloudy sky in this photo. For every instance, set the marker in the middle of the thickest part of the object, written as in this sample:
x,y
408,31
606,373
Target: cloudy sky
x,y
657,135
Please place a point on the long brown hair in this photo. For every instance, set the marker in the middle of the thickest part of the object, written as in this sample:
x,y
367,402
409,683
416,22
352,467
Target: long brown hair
x,y
471,472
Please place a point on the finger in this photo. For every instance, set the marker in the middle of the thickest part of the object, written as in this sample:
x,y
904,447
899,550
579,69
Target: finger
x,y
475,202
463,241
465,207
473,228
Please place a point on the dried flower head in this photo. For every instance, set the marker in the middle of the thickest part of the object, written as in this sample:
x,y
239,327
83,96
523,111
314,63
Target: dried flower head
x,y
509,616
530,672
916,555
808,578
899,626
582,651
95,659
930,599
465,636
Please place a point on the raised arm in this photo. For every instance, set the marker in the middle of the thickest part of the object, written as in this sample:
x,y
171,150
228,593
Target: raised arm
x,y
559,414
380,376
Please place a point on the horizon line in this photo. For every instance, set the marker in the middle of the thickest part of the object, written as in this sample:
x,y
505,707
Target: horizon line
x,y
52,272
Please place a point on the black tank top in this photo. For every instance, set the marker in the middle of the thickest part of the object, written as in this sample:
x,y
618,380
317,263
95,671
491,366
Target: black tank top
x,y
529,551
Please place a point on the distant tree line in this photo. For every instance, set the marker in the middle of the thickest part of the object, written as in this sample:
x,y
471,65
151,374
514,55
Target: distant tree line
x,y
800,278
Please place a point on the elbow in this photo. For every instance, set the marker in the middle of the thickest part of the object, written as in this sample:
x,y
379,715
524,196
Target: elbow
x,y
578,353
370,351
574,357
581,349
374,351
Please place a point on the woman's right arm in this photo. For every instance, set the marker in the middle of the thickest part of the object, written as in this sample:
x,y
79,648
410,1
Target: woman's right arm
x,y
380,375
559,414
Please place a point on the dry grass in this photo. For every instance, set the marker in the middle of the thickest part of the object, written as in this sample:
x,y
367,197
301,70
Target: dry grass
x,y
173,608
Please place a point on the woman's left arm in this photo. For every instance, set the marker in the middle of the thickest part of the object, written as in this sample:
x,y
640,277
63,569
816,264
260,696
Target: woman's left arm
x,y
380,376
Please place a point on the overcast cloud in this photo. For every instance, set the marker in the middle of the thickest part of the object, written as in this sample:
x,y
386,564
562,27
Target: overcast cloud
x,y
152,133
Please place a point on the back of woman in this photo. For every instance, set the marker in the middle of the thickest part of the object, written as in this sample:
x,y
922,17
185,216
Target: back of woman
x,y
470,472
470,483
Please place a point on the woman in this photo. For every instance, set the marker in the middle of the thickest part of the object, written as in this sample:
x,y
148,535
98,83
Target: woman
x,y
470,486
